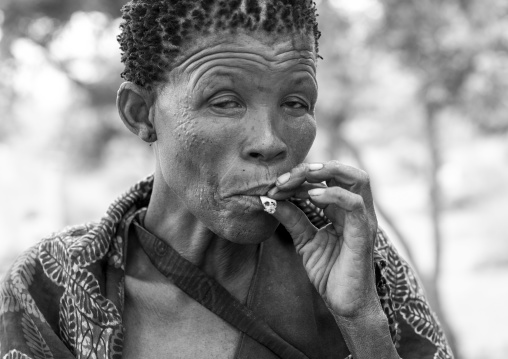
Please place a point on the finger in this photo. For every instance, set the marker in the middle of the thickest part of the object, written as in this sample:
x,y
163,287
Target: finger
x,y
352,204
344,175
335,174
297,176
314,213
296,223
348,201
301,192
351,178
347,176
320,208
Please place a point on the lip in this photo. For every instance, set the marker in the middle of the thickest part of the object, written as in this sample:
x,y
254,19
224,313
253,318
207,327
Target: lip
x,y
260,190
245,203
251,200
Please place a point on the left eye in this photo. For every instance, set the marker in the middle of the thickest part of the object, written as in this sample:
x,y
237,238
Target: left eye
x,y
226,104
295,105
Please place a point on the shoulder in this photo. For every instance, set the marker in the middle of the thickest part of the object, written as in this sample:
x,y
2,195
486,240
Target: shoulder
x,y
415,326
68,288
57,289
30,294
41,266
28,260
74,253
37,265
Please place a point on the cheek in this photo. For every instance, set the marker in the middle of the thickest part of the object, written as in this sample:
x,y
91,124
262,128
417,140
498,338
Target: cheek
x,y
197,137
184,131
179,137
190,156
300,136
176,145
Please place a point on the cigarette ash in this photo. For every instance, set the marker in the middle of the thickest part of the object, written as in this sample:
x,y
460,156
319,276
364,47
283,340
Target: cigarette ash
x,y
269,204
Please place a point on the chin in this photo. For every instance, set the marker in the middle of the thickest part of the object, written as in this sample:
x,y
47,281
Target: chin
x,y
247,229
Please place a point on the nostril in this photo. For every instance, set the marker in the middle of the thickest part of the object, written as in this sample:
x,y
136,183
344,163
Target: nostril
x,y
256,155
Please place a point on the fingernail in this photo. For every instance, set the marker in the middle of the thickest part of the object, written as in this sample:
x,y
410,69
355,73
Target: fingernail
x,y
315,166
316,192
283,178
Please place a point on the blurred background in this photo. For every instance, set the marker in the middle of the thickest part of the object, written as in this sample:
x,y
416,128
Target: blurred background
x,y
415,92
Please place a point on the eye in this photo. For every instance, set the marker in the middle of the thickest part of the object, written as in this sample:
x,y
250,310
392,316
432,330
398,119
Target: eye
x,y
226,103
295,106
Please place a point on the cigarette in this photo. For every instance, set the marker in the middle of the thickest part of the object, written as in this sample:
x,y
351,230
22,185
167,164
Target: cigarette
x,y
269,204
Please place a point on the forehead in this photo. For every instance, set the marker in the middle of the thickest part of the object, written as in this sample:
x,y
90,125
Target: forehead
x,y
250,50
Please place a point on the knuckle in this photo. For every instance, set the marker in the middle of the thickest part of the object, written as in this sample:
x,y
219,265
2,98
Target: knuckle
x,y
293,226
357,204
334,163
297,228
363,177
337,192
301,166
299,170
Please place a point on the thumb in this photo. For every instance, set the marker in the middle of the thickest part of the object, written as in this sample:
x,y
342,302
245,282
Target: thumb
x,y
296,223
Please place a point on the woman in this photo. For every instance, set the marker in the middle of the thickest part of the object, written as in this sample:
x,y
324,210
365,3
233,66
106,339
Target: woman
x,y
188,264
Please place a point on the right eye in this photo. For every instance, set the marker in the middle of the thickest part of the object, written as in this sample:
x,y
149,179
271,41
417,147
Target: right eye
x,y
226,103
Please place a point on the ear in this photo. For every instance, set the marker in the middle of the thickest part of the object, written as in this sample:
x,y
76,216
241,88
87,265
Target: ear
x,y
134,103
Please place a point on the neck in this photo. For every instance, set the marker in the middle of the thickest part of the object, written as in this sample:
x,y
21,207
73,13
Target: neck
x,y
167,218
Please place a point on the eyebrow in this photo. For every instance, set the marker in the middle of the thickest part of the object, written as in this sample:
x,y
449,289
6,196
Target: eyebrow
x,y
217,74
299,79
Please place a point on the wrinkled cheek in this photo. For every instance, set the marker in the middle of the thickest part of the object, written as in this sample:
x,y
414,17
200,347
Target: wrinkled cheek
x,y
197,155
185,132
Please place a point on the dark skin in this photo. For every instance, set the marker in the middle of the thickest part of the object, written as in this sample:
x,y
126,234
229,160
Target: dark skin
x,y
235,114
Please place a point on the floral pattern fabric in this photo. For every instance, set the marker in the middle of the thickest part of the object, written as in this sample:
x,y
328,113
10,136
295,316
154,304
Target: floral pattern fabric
x,y
63,298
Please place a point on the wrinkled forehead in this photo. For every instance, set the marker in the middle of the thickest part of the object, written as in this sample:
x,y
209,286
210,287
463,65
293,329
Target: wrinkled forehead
x,y
266,51
156,35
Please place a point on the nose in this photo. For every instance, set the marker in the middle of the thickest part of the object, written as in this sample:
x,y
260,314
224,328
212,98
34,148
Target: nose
x,y
263,142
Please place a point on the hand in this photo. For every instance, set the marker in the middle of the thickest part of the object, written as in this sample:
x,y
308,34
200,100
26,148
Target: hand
x,y
339,257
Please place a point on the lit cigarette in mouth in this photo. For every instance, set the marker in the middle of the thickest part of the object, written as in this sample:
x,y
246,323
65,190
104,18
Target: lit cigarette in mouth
x,y
269,204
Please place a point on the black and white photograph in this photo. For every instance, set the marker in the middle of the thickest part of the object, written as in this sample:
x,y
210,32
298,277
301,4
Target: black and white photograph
x,y
253,179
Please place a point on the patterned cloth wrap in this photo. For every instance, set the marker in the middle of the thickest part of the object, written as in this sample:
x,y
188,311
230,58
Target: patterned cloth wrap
x,y
63,298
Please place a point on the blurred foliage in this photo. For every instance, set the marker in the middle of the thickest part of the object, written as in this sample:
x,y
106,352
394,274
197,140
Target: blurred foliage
x,y
458,49
45,26
41,20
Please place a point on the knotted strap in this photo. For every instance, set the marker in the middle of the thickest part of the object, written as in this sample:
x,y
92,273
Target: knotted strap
x,y
209,293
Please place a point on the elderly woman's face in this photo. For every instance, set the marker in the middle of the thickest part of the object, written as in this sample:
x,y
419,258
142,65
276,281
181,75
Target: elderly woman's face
x,y
235,113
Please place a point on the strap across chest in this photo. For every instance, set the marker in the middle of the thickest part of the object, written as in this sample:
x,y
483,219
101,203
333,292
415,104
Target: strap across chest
x,y
209,293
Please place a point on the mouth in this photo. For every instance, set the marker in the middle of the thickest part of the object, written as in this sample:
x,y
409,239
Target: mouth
x,y
260,190
242,203
253,201
247,198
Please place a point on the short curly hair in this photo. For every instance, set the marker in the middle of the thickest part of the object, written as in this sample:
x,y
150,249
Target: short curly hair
x,y
153,31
